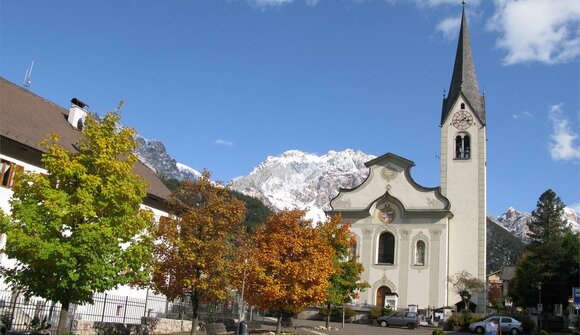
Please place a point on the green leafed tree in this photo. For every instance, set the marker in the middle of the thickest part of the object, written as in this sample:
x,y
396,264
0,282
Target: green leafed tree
x,y
79,228
552,260
345,282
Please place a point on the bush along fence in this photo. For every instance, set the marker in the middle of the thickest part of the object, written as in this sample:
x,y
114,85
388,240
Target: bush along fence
x,y
19,313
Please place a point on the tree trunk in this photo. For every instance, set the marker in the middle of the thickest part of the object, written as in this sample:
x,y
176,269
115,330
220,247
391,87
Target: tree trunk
x,y
279,323
328,306
195,313
63,318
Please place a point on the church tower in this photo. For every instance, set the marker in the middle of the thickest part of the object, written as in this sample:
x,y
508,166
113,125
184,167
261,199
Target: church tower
x,y
463,167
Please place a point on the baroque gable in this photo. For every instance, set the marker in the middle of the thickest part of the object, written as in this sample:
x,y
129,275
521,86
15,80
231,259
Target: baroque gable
x,y
389,191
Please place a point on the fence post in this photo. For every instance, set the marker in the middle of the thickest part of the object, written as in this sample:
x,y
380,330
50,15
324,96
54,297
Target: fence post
x,y
146,298
125,311
104,306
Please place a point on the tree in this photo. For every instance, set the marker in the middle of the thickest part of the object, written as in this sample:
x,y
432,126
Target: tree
x,y
495,296
345,283
289,265
79,229
196,251
464,284
552,260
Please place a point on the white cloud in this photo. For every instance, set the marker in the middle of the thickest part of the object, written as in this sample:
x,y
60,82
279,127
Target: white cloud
x,y
223,143
524,114
264,4
544,31
450,27
562,146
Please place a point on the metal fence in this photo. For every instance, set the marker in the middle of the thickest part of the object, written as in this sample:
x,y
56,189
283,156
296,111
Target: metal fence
x,y
19,313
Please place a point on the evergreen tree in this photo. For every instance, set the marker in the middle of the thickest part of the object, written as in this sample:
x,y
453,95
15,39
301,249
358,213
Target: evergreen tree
x,y
552,260
548,223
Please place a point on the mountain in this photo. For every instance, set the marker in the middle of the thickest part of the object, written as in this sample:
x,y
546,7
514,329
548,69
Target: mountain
x,y
302,180
517,222
153,154
503,248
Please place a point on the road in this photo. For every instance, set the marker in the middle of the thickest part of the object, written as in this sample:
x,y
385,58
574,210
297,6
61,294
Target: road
x,y
310,327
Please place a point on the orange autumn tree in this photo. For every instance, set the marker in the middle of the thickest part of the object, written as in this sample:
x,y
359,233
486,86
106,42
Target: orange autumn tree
x,y
289,265
196,255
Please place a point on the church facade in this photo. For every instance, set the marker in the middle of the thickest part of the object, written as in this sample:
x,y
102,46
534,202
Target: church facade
x,y
410,238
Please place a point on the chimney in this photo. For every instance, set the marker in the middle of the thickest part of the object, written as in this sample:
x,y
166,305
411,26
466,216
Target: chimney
x,y
77,114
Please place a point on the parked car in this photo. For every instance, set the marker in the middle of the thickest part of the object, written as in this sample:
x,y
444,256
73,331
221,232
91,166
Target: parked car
x,y
403,319
508,324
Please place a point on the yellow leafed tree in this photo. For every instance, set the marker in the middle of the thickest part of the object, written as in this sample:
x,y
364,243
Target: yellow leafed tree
x,y
196,254
289,265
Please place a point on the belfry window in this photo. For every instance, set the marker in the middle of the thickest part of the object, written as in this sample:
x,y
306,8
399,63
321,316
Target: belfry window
x,y
386,249
462,146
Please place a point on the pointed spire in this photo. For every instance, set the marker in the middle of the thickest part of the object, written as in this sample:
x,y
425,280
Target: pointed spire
x,y
464,79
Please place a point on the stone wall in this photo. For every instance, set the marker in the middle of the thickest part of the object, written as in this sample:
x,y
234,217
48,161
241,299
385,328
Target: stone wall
x,y
162,326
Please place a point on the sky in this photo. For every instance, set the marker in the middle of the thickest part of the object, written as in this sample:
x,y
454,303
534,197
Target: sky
x,y
226,83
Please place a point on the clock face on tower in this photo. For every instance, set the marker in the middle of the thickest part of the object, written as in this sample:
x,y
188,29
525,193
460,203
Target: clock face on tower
x,y
462,120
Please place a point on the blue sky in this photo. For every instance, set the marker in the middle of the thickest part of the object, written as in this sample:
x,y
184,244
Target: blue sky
x,y
225,83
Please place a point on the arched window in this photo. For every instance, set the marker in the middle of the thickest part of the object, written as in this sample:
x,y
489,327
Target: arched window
x,y
420,253
352,250
462,105
466,147
462,146
386,249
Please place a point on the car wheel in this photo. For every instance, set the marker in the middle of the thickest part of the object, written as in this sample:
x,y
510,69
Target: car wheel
x,y
411,325
514,331
384,323
479,330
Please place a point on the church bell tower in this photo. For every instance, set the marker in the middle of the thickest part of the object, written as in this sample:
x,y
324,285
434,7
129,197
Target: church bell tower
x,y
463,167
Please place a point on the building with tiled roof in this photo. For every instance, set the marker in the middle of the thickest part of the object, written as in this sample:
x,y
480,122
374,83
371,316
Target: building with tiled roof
x,y
26,119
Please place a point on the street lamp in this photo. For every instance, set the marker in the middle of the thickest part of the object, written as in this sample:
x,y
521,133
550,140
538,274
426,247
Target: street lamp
x,y
540,306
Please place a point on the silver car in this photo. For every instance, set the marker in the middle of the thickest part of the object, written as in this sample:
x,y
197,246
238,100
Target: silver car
x,y
508,324
404,319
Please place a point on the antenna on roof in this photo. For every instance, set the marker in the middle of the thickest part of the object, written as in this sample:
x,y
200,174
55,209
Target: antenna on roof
x,y
27,81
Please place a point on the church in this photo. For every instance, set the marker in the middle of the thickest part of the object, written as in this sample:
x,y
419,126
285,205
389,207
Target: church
x,y
411,238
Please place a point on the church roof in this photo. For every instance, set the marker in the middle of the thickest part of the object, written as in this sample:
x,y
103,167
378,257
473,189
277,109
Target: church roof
x,y
27,119
464,79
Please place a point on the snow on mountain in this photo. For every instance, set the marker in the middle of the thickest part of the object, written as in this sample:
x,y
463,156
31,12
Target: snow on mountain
x,y
302,180
573,219
517,222
153,154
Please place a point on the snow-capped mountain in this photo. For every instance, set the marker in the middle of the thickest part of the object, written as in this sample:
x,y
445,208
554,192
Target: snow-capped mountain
x,y
296,179
517,222
153,154
302,180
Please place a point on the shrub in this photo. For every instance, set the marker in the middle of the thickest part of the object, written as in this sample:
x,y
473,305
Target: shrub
x,y
438,332
527,323
336,313
377,311
543,332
